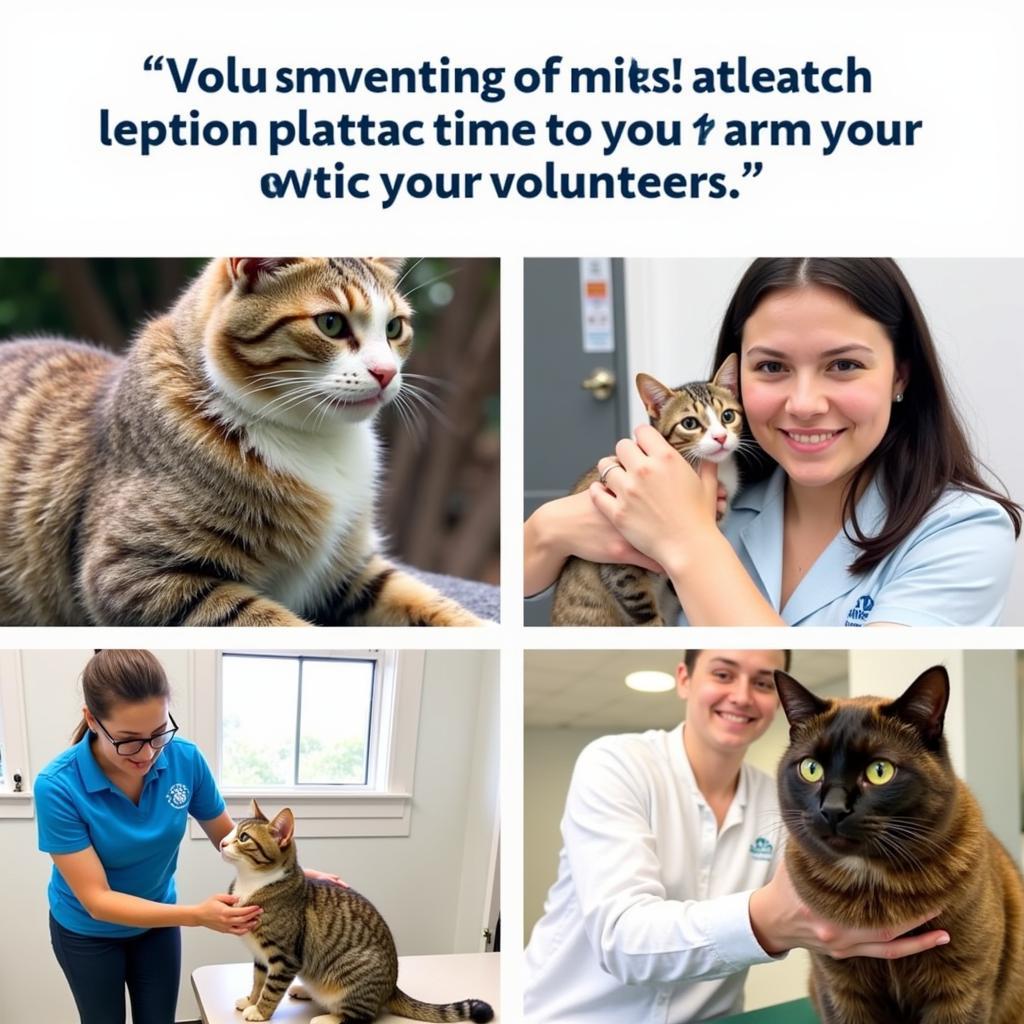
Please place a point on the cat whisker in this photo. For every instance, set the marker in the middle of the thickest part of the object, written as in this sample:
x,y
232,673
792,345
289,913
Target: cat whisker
x,y
433,280
408,270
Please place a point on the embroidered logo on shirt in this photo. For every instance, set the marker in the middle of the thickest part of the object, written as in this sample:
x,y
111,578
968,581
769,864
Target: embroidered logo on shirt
x,y
177,796
859,613
761,849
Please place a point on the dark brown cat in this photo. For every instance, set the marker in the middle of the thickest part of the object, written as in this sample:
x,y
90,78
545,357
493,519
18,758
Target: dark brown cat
x,y
881,830
329,935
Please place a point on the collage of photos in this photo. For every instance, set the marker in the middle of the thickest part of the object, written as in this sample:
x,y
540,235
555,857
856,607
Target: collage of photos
x,y
764,814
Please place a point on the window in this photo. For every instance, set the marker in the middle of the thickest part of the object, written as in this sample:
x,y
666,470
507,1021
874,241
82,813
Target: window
x,y
330,734
297,720
15,795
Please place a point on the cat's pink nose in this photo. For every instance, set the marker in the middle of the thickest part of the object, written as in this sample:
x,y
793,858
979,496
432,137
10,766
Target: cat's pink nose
x,y
720,438
383,374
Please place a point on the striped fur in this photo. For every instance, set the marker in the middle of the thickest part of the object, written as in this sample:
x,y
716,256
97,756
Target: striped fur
x,y
332,937
592,594
224,471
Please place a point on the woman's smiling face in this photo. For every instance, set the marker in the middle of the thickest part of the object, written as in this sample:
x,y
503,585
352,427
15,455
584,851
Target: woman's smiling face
x,y
818,378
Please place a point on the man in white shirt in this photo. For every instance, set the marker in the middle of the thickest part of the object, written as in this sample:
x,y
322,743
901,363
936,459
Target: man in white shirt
x,y
668,888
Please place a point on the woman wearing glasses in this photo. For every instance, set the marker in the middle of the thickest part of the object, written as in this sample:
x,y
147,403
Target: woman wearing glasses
x,y
112,811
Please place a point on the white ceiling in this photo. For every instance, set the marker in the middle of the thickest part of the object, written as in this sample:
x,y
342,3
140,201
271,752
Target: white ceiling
x,y
586,689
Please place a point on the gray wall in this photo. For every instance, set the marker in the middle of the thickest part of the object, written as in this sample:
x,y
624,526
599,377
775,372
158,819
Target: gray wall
x,y
431,886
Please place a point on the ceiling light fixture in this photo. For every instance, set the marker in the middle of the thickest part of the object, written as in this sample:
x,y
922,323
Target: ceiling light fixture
x,y
650,682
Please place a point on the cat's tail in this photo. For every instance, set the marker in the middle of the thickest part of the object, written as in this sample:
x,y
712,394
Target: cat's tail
x,y
468,1009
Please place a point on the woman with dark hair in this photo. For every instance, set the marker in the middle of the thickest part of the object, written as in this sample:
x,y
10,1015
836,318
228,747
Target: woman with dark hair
x,y
865,505
112,811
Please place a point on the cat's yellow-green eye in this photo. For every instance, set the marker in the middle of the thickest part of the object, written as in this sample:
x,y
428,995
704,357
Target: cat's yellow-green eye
x,y
880,772
394,328
810,770
690,423
728,416
333,325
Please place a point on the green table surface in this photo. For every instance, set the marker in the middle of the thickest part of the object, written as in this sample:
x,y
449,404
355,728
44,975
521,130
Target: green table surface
x,y
798,1012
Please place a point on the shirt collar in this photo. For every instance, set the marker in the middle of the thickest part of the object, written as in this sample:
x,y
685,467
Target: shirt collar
x,y
829,578
93,777
685,770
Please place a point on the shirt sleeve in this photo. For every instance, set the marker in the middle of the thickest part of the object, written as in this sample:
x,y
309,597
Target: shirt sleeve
x,y
61,828
638,934
206,802
955,570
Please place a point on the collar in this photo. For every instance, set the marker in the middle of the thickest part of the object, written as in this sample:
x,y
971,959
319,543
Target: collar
x,y
684,769
93,777
828,579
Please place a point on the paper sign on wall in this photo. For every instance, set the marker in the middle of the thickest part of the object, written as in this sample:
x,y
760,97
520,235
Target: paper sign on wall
x,y
596,305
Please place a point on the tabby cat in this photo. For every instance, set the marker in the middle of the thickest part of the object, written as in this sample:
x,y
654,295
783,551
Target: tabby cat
x,y
224,471
331,936
880,830
701,421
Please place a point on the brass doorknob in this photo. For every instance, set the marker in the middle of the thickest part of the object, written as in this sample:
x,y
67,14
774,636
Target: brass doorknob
x,y
601,383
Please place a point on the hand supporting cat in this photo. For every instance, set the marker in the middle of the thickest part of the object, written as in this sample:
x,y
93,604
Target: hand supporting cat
x,y
224,472
702,422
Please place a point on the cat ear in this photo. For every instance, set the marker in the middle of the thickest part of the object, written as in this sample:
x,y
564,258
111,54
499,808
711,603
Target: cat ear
x,y
727,376
390,265
653,393
249,269
255,812
283,827
797,701
923,704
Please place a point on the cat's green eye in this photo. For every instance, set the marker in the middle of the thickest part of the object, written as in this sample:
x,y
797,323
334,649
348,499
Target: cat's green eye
x,y
334,325
394,328
243,837
880,772
690,423
810,770
729,416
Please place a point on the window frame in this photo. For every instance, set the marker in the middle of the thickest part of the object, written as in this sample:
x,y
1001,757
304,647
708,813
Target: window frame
x,y
14,736
383,809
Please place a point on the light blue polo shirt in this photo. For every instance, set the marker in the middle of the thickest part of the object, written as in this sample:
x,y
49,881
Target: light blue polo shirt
x,y
952,569
77,806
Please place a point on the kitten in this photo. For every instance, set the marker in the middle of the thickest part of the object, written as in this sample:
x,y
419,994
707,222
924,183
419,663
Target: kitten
x,y
881,830
331,936
701,421
224,471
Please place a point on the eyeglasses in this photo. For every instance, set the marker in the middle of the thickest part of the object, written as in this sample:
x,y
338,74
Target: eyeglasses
x,y
126,748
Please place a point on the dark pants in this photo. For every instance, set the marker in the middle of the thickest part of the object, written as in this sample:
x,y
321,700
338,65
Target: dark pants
x,y
98,969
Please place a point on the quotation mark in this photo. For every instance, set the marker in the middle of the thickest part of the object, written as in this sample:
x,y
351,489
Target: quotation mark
x,y
152,63
750,170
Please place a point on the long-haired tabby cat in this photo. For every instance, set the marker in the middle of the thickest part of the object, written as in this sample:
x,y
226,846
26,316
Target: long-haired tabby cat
x,y
224,471
701,421
331,937
880,830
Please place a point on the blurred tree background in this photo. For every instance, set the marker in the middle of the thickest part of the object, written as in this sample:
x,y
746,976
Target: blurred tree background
x,y
439,505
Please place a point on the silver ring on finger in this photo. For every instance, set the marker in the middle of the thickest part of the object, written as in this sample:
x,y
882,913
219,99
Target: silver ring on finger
x,y
615,465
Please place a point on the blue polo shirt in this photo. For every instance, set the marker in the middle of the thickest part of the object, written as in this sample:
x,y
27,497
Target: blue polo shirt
x,y
952,569
77,806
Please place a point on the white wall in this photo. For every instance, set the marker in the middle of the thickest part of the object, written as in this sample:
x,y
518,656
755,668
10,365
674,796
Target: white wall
x,y
974,308
431,886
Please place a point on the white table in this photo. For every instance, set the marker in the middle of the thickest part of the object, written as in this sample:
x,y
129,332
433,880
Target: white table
x,y
444,978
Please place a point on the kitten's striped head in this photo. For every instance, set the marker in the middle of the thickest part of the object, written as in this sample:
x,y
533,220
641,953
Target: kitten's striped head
x,y
305,342
700,420
257,844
